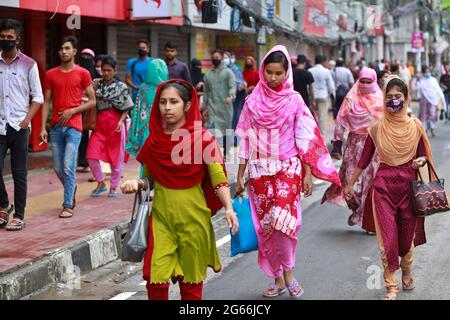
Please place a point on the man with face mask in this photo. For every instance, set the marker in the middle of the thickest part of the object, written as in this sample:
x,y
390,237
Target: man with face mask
x,y
19,80
220,91
137,67
241,92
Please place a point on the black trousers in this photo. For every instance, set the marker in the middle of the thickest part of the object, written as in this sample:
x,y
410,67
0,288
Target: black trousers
x,y
82,150
17,142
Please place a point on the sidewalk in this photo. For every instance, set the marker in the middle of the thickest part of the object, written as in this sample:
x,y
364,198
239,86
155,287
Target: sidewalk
x,y
48,247
51,250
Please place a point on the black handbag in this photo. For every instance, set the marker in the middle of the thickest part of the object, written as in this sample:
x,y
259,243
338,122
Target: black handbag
x,y
135,242
428,197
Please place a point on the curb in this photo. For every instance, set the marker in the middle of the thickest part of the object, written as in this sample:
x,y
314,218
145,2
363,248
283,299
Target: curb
x,y
65,265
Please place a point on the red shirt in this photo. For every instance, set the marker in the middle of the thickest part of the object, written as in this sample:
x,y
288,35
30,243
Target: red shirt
x,y
67,89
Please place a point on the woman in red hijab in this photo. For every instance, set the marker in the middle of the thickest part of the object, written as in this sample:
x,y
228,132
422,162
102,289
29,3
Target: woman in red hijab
x,y
184,164
251,74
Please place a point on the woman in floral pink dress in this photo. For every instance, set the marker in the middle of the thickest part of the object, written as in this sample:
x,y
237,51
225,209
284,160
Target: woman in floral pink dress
x,y
283,147
361,107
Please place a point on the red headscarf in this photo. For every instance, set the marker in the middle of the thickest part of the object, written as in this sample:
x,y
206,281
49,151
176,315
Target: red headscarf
x,y
194,144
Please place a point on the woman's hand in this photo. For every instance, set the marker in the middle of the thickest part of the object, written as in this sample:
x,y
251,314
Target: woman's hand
x,y
240,186
119,126
419,163
232,221
348,191
130,186
307,185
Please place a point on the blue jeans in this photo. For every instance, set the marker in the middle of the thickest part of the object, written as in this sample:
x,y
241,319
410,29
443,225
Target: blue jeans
x,y
65,143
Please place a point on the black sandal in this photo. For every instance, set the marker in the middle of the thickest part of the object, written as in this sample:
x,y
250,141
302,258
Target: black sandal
x,y
4,216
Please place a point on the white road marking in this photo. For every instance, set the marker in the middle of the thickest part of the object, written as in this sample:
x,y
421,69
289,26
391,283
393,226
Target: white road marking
x,y
223,241
123,296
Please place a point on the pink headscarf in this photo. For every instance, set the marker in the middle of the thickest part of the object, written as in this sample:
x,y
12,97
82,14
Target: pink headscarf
x,y
269,108
361,107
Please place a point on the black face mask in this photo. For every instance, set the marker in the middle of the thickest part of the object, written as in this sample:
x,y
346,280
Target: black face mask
x,y
7,45
248,66
142,53
216,62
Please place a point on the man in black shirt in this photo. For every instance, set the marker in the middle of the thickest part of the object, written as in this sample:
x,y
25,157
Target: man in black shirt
x,y
303,81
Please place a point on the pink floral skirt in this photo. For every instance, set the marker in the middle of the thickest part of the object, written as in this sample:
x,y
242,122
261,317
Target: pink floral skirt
x,y
274,193
335,194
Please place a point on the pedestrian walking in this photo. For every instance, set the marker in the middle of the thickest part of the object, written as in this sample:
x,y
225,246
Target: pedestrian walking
x,y
19,80
445,84
140,115
87,61
137,67
220,91
181,242
344,81
197,74
275,115
304,81
431,100
362,106
403,147
251,74
177,69
107,142
65,85
324,88
241,90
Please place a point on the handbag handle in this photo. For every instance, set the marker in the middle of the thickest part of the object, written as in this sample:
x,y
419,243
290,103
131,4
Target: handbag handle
x,y
138,198
430,168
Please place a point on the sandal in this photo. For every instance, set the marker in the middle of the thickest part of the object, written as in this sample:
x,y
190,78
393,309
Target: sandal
x,y
273,291
66,213
97,192
408,285
350,221
295,289
15,225
113,194
92,179
4,216
390,295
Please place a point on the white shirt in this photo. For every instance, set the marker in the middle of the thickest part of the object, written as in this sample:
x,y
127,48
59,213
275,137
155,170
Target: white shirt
x,y
342,76
18,81
323,82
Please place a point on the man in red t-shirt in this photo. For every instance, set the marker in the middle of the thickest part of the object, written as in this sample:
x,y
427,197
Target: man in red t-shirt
x,y
66,85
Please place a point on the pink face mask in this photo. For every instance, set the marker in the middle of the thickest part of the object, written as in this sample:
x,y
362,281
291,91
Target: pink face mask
x,y
365,88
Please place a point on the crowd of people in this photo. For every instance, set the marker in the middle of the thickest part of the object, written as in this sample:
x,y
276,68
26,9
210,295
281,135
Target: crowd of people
x,y
284,102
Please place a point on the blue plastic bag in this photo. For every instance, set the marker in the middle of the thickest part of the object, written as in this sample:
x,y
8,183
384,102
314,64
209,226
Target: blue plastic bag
x,y
245,239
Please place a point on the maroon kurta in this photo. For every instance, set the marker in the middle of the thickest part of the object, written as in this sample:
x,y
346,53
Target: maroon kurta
x,y
397,223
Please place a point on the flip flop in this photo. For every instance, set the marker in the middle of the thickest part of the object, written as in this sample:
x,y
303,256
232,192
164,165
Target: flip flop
x,y
294,290
66,213
97,192
113,194
273,291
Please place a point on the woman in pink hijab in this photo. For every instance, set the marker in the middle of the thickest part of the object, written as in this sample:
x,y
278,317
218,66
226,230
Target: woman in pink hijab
x,y
361,107
283,148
